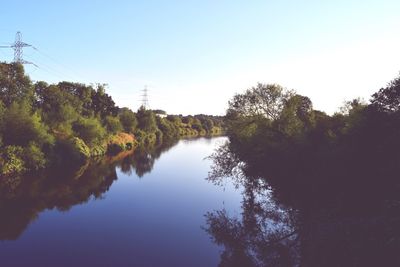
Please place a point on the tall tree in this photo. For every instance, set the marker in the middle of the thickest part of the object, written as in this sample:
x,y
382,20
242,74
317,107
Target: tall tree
x,y
128,120
102,103
14,84
388,99
146,120
267,100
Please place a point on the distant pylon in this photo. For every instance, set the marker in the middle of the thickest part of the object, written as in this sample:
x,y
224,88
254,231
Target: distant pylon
x,y
18,49
18,46
145,98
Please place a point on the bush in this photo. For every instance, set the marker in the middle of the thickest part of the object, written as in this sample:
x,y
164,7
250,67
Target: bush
x,y
128,120
140,135
34,158
11,161
113,124
146,120
175,120
150,139
98,150
208,125
20,127
120,142
168,128
145,138
89,130
73,149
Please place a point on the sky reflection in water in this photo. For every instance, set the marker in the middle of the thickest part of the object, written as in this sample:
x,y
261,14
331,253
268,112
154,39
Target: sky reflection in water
x,y
119,218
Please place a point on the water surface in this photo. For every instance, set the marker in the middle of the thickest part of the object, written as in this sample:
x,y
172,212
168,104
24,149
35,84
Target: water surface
x,y
147,209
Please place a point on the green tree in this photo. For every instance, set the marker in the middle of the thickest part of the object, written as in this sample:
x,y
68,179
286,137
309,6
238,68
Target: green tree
x,y
102,103
196,124
208,124
34,158
175,119
168,128
20,127
296,116
188,120
59,108
128,120
113,124
82,94
14,84
89,130
388,99
263,100
146,120
11,160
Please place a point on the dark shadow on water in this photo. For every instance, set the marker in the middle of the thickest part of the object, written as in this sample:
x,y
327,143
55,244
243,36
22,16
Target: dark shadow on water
x,y
286,223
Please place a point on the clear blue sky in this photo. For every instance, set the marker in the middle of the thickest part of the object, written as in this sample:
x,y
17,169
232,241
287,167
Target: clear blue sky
x,y
194,55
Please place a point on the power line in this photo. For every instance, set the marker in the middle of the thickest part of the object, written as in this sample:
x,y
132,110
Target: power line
x,y
75,74
18,47
50,70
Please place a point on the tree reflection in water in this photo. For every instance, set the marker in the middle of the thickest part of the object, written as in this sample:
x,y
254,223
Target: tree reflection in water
x,y
142,161
23,198
280,226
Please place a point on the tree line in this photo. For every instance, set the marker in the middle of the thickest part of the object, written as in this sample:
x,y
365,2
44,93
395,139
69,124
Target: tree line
x,y
43,124
335,176
275,130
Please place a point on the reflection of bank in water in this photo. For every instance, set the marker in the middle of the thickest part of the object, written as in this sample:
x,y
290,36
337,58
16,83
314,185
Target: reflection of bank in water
x,y
343,224
23,198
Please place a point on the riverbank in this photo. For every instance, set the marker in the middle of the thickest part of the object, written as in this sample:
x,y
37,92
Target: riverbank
x,y
73,151
43,125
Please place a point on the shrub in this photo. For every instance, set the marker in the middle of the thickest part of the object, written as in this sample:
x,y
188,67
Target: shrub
x,y
113,124
174,119
168,128
20,127
140,136
73,149
11,161
150,139
120,142
128,120
208,125
146,120
89,130
33,156
98,150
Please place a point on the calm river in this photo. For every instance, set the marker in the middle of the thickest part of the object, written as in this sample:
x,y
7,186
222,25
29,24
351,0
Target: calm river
x,y
148,209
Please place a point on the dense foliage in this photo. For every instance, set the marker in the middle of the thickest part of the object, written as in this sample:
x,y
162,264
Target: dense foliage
x,y
43,124
327,184
275,129
349,157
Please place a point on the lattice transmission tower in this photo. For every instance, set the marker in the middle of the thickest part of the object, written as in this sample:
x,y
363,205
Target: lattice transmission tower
x,y
18,46
145,98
